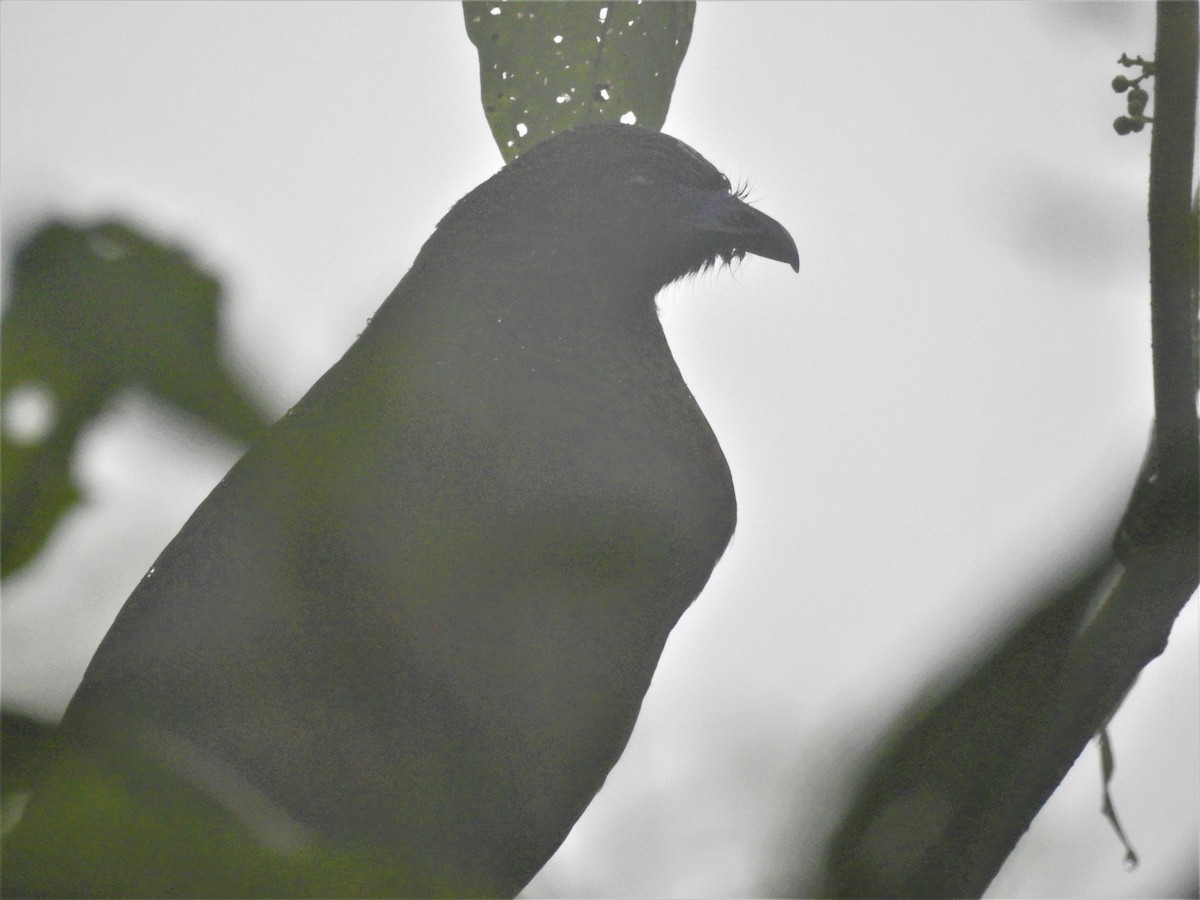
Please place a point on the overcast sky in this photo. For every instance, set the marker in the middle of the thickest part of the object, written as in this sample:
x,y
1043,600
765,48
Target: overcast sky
x,y
948,403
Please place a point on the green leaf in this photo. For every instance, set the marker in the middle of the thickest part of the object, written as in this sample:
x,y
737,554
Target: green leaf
x,y
547,67
26,744
94,310
105,825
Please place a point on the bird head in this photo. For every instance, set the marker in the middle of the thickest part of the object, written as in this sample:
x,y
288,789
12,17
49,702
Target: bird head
x,y
618,199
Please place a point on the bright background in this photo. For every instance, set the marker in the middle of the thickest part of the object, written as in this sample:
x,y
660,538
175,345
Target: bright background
x,y
945,407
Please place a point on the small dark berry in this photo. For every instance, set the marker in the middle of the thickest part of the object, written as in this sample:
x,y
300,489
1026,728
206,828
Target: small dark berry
x,y
1137,124
1137,95
1123,125
1135,107
1120,84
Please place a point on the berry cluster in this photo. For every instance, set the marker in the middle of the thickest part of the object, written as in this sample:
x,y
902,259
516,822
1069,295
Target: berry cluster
x,y
1137,99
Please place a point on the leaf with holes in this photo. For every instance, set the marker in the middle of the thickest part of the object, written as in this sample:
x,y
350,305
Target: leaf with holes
x,y
547,67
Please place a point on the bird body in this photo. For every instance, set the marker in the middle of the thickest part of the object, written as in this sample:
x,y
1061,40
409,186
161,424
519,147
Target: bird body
x,y
418,619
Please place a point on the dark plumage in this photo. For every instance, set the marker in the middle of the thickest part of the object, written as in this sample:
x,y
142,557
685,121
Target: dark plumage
x,y
411,629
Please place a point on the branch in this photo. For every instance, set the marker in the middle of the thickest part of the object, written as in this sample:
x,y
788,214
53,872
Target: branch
x,y
960,781
1159,536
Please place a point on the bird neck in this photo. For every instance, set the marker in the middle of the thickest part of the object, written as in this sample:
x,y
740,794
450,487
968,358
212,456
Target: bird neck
x,y
528,301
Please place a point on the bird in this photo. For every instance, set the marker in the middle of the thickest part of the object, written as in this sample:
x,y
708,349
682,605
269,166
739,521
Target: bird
x,y
398,648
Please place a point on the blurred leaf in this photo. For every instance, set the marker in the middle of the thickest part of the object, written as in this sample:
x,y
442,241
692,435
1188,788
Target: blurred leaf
x,y
546,67
96,821
93,310
26,745
910,830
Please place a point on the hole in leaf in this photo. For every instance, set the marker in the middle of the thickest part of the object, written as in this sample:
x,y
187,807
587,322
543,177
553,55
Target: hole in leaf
x,y
30,413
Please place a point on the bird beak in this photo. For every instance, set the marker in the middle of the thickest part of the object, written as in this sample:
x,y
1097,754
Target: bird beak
x,y
745,229
756,232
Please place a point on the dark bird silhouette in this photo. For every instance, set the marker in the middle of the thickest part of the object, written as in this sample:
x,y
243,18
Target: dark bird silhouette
x,y
398,648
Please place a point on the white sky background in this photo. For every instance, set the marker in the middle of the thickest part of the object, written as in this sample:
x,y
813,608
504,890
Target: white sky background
x,y
946,405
